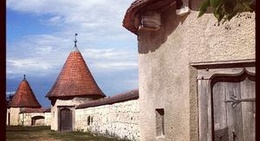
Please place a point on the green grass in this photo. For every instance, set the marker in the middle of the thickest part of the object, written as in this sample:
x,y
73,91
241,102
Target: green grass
x,y
43,133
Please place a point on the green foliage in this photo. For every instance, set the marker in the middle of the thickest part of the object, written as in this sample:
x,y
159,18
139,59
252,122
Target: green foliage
x,y
225,10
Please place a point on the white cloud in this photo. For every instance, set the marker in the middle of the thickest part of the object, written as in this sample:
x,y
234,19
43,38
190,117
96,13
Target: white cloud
x,y
115,65
107,47
45,54
28,66
9,92
112,59
93,13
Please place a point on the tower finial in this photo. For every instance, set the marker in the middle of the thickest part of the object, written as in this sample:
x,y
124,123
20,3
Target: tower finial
x,y
75,41
24,76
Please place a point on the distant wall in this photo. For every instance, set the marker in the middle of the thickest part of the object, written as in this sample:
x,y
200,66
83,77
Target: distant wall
x,y
118,120
47,120
31,119
14,116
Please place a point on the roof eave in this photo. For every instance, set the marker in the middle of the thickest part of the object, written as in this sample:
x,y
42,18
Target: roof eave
x,y
53,96
139,6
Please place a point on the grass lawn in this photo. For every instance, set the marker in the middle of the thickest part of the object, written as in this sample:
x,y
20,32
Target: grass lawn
x,y
43,133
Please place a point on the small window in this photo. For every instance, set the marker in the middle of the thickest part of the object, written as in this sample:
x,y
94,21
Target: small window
x,y
159,122
88,120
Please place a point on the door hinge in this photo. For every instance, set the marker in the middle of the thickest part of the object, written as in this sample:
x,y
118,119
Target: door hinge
x,y
234,100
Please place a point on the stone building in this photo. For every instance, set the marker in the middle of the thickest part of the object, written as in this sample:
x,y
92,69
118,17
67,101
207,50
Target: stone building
x,y
196,81
74,85
196,78
24,108
77,104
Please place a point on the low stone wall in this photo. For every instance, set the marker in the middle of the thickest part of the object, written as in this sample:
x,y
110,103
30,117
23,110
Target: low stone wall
x,y
26,119
119,119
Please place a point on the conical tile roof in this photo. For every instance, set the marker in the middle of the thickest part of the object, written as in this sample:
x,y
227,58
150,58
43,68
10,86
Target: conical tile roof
x,y
75,79
24,96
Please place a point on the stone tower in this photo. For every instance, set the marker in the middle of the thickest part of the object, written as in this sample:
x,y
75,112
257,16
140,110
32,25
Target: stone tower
x,y
23,98
74,85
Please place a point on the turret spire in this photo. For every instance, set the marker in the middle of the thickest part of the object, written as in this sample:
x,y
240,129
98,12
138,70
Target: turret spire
x,y
75,41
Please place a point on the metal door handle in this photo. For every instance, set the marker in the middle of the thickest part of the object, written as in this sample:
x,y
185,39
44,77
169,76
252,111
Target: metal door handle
x,y
234,100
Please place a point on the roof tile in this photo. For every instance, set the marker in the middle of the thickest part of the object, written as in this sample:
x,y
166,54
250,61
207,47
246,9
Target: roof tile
x,y
75,79
24,96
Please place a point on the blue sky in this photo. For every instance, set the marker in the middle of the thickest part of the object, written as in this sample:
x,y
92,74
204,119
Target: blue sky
x,y
40,36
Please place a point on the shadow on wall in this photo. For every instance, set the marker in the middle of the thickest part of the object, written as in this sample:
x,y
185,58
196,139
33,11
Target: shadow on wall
x,y
149,41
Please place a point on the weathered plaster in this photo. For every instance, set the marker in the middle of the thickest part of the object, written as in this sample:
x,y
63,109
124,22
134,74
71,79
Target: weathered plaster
x,y
65,103
47,119
166,78
25,119
118,120
14,116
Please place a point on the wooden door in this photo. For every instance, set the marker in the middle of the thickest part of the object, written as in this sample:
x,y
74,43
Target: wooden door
x,y
65,122
234,108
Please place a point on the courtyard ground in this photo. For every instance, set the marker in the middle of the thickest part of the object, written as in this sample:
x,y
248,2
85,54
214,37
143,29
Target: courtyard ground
x,y
43,133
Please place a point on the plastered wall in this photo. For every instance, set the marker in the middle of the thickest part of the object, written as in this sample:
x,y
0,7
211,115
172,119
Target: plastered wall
x,y
65,103
166,78
14,116
47,119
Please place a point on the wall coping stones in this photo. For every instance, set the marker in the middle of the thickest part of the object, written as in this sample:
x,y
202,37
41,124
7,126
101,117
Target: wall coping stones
x,y
130,95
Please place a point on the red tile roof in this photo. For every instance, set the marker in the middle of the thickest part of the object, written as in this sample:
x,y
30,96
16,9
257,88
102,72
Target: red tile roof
x,y
140,6
24,96
33,110
75,79
130,95
47,110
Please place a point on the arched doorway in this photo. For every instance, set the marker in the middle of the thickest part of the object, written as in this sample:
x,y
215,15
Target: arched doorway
x,y
65,119
37,120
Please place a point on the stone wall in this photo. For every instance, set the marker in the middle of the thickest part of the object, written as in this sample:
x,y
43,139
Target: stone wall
x,y
167,80
32,119
47,119
119,119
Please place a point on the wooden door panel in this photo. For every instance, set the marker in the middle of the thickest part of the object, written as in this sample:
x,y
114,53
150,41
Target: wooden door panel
x,y
65,119
234,113
219,107
233,121
220,113
248,109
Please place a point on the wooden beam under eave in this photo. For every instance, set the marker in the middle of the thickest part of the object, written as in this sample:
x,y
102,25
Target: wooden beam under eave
x,y
150,20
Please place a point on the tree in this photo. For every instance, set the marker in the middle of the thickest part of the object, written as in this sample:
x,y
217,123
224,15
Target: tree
x,y
225,10
9,98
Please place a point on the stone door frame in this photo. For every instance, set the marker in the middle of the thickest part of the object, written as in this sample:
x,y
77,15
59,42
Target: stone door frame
x,y
206,72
